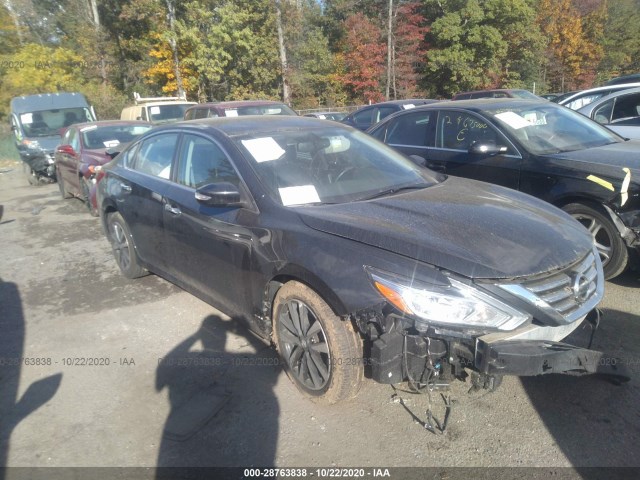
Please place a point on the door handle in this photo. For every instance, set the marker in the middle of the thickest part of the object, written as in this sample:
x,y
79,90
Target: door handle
x,y
173,210
125,187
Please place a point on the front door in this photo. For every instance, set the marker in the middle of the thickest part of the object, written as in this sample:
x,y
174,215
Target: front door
x,y
456,132
208,248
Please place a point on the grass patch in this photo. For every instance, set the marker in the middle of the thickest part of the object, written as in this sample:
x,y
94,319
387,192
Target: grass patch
x,y
8,152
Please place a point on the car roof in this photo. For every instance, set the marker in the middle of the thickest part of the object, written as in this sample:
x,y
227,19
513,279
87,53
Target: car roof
x,y
633,77
479,104
239,103
47,101
257,124
621,86
587,109
109,123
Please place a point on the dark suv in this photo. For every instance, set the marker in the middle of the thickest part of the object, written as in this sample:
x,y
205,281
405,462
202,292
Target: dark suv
x,y
538,148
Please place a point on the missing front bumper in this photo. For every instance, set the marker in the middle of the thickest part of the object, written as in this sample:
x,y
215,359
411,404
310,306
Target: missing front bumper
x,y
539,357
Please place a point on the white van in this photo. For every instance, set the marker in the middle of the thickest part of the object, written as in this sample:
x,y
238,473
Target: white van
x,y
156,109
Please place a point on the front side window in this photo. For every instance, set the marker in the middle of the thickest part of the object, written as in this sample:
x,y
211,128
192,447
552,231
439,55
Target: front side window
x,y
602,114
202,162
460,130
155,155
410,129
627,107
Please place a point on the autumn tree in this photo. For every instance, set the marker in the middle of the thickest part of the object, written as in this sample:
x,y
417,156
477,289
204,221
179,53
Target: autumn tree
x,y
407,50
364,59
571,54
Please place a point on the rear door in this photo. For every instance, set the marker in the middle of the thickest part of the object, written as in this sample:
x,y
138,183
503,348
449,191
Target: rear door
x,y
140,195
208,248
456,132
68,162
412,134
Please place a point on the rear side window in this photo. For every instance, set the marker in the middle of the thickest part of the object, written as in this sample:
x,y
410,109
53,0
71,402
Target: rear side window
x,y
201,113
627,107
203,162
411,129
155,155
363,118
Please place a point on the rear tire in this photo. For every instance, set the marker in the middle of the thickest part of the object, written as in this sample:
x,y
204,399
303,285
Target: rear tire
x,y
123,247
87,198
322,353
613,251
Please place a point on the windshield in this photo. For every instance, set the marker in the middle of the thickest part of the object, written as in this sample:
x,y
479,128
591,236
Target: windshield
x,y
329,165
277,109
548,128
46,123
168,113
95,137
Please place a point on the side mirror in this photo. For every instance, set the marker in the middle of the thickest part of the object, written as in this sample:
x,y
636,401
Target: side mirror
x,y
418,160
67,149
223,194
489,148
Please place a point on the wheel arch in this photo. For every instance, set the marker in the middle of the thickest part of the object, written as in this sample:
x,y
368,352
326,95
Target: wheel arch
x,y
304,276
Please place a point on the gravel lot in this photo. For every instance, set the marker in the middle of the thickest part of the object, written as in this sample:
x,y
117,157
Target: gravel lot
x,y
140,373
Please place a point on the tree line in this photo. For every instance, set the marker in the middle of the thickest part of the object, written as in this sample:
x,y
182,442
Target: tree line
x,y
310,53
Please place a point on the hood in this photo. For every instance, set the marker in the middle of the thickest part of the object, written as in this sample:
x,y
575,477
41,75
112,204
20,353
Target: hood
x,y
608,160
47,144
467,227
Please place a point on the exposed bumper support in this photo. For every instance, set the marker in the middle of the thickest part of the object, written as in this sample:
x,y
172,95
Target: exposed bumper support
x,y
538,357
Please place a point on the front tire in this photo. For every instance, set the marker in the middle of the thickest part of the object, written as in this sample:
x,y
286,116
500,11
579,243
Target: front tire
x,y
322,353
611,247
123,247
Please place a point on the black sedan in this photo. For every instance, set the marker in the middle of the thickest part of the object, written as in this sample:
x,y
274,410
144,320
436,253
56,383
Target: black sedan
x,y
347,255
538,148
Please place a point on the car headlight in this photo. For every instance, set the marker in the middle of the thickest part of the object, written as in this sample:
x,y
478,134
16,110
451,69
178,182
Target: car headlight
x,y
32,144
455,304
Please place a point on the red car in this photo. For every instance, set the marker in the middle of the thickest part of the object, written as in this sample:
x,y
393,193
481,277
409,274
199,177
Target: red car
x,y
82,153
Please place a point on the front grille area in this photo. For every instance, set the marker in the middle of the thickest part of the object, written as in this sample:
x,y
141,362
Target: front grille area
x,y
570,293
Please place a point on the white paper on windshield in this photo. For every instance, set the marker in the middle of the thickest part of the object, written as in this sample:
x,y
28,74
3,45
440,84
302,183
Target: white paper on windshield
x,y
111,143
26,118
407,106
513,120
231,113
263,149
155,110
299,195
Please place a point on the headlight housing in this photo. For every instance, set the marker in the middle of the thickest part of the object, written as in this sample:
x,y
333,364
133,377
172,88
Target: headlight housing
x,y
454,305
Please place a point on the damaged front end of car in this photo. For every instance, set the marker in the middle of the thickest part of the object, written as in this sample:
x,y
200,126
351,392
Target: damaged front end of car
x,y
431,333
